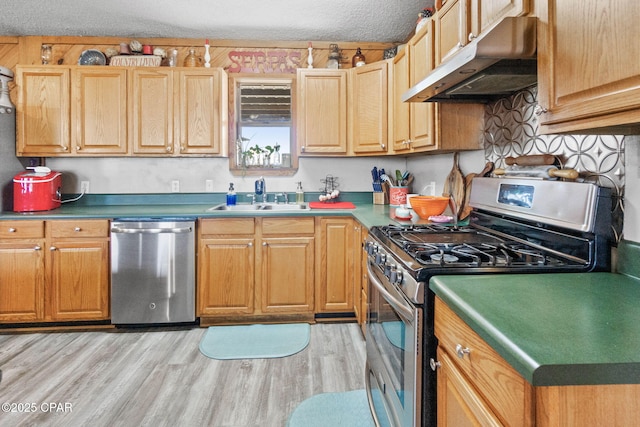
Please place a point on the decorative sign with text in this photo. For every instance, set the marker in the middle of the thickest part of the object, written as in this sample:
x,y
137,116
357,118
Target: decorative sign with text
x,y
269,61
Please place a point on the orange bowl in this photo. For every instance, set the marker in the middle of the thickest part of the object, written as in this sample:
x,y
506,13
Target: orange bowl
x,y
426,206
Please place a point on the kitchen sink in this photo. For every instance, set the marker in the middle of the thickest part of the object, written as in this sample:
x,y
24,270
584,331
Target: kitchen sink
x,y
280,207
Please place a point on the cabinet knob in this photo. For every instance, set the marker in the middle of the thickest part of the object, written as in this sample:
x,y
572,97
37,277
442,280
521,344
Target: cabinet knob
x,y
168,148
182,148
65,148
471,36
383,146
302,148
249,244
434,365
461,351
36,248
264,243
52,248
12,230
77,229
539,110
78,148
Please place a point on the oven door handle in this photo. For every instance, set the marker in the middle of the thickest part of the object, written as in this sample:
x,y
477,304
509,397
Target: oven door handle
x,y
397,304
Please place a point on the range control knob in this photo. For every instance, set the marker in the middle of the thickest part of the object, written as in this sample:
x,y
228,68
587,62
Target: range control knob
x,y
396,276
389,269
381,257
371,248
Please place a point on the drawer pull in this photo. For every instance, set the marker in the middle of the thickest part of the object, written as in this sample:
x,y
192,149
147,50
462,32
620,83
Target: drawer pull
x,y
434,365
461,351
12,230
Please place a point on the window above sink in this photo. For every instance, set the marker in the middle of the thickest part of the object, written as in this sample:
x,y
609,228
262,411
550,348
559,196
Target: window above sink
x,y
262,137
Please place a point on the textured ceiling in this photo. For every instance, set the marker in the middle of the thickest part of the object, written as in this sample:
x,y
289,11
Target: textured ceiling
x,y
291,20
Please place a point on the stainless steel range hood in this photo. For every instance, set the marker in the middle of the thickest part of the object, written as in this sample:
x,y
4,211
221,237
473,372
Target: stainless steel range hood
x,y
498,63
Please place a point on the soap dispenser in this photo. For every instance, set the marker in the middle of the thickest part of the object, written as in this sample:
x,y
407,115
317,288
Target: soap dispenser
x,y
231,195
299,194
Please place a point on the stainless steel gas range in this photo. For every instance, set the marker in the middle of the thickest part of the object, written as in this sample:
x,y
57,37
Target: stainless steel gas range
x,y
516,226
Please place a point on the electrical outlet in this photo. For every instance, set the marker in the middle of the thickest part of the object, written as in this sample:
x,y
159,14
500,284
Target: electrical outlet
x,y
208,186
84,187
175,186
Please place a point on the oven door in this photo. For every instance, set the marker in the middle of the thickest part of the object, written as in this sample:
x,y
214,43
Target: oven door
x,y
394,328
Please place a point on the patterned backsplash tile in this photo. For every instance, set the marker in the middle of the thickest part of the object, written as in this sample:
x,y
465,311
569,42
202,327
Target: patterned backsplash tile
x,y
511,129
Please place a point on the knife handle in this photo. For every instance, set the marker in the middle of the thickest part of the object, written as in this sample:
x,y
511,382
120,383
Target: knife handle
x,y
533,160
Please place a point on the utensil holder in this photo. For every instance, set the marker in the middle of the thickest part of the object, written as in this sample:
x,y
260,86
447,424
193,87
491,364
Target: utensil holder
x,y
379,198
398,195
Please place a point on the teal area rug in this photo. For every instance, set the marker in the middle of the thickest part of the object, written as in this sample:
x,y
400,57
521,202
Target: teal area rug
x,y
255,341
348,409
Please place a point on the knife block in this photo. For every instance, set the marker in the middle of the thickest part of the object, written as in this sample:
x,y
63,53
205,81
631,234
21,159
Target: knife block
x,y
380,198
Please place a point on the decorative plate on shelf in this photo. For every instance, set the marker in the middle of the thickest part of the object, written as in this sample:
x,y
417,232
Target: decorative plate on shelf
x,y
92,57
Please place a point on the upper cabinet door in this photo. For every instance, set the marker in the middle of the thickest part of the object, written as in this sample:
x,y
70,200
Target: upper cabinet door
x,y
370,110
322,111
452,28
151,111
200,115
43,111
99,110
588,67
486,13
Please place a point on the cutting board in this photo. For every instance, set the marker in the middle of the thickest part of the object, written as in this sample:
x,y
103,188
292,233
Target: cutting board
x,y
454,184
334,205
466,209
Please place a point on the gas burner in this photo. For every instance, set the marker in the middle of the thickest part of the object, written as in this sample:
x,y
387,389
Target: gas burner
x,y
442,258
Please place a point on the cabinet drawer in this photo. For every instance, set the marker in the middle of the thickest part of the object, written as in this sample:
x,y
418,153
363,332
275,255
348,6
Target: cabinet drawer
x,y
18,229
288,225
504,389
227,226
79,228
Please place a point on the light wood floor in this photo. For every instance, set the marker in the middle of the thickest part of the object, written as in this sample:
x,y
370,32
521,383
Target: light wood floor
x,y
160,378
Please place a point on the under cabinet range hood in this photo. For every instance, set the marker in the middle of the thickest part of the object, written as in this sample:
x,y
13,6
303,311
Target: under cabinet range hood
x,y
496,64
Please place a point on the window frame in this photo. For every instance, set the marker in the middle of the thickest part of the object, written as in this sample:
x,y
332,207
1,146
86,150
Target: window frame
x,y
234,82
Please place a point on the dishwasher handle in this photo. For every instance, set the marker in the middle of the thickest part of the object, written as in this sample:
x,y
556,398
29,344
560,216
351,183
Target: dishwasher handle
x,y
173,230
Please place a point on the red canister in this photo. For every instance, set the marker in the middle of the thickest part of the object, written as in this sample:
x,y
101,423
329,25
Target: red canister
x,y
39,190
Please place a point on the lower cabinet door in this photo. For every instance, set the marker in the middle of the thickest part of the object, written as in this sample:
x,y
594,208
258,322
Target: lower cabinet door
x,y
22,281
80,280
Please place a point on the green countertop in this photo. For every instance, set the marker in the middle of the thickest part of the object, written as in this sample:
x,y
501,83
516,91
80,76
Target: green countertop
x,y
196,205
554,329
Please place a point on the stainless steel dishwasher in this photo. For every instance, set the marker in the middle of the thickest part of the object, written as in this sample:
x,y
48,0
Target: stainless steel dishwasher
x,y
152,271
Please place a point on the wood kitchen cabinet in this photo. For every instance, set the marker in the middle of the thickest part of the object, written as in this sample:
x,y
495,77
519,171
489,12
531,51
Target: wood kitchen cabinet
x,y
79,269
476,386
362,282
460,21
43,111
54,270
255,267
369,108
588,68
178,112
413,122
452,24
321,111
483,14
336,273
22,271
99,111
226,266
118,111
428,126
287,272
